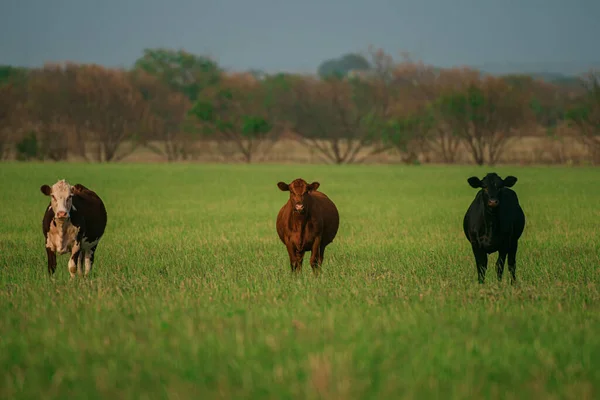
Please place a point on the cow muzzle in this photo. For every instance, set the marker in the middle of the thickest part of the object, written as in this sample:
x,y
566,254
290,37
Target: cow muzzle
x,y
299,208
62,215
493,203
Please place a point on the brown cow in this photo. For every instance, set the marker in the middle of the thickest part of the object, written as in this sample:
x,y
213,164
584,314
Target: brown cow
x,y
309,221
73,223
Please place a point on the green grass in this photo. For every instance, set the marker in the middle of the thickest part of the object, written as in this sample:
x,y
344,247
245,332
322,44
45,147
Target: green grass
x,y
191,294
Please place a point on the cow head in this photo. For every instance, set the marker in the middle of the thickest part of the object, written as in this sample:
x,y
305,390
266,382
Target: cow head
x,y
491,185
61,195
299,190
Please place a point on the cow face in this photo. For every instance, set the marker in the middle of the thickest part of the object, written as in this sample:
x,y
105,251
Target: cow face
x,y
299,190
491,186
61,195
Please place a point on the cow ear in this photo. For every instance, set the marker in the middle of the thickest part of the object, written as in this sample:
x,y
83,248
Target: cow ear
x,y
313,186
80,187
77,188
475,182
284,187
47,190
510,180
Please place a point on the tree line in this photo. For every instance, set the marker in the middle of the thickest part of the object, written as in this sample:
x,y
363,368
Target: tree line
x,y
172,101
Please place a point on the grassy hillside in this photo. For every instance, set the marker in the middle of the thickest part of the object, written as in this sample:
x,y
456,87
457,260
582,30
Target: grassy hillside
x,y
191,293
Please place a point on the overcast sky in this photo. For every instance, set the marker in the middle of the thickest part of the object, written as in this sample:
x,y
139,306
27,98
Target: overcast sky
x,y
274,35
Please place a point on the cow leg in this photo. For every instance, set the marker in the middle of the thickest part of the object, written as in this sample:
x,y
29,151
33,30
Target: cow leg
x,y
512,262
292,254
80,260
89,259
315,256
481,260
299,261
51,261
73,261
321,254
500,264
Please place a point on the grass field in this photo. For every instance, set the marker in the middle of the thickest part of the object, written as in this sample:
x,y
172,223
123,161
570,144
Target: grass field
x,y
191,294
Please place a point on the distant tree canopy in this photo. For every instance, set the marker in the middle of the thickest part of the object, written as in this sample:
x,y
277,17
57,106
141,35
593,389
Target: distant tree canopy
x,y
10,74
183,72
584,115
342,65
182,106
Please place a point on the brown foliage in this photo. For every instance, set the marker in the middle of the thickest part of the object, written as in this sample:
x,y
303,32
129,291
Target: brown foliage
x,y
167,114
585,115
12,99
112,110
339,118
71,105
423,112
52,110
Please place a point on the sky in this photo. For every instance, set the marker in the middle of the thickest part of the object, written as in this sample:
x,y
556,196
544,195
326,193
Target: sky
x,y
284,35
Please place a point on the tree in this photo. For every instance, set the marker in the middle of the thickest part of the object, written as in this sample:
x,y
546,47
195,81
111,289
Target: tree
x,y
341,66
167,117
585,114
419,85
444,137
112,110
239,114
51,109
14,75
345,118
485,115
404,131
13,82
181,71
10,103
339,118
548,101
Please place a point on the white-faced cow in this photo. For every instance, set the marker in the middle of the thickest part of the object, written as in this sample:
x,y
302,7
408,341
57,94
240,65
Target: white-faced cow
x,y
73,223
494,222
308,221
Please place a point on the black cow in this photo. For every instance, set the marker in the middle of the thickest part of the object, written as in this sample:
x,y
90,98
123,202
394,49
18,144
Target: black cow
x,y
494,222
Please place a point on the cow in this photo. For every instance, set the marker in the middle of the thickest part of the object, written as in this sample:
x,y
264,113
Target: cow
x,y
494,222
74,223
308,221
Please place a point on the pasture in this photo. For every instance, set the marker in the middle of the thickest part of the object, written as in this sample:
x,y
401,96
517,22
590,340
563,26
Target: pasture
x,y
191,294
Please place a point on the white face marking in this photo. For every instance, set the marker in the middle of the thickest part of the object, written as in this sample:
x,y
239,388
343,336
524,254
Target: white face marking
x,y
61,198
